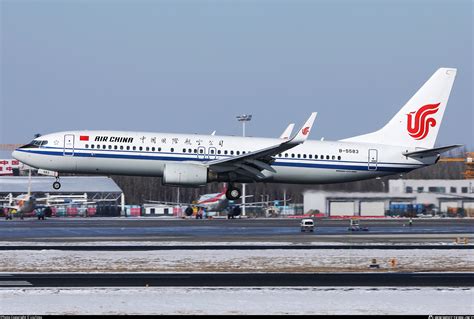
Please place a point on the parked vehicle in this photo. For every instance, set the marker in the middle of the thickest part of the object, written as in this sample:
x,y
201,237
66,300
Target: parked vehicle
x,y
355,226
307,225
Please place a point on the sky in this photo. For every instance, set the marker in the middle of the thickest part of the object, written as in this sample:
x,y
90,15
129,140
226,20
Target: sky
x,y
193,66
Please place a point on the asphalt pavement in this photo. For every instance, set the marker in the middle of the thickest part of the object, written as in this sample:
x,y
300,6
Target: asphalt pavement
x,y
237,280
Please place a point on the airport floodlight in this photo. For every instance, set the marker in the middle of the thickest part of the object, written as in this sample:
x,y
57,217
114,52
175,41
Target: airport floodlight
x,y
244,118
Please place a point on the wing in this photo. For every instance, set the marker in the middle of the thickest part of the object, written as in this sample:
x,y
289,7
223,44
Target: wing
x,y
250,165
287,132
173,203
11,207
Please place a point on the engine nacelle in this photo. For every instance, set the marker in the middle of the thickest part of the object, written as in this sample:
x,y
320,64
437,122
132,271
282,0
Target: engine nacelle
x,y
192,175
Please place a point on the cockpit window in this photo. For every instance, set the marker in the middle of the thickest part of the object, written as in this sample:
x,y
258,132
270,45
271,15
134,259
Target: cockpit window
x,y
39,143
35,144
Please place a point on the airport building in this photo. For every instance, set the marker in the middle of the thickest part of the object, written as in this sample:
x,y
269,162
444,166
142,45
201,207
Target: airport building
x,y
8,167
404,198
78,195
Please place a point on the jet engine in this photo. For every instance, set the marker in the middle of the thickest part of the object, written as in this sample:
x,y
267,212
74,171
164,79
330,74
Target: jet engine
x,y
192,175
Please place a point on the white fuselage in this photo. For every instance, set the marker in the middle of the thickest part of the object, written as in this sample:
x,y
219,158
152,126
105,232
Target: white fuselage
x,y
145,154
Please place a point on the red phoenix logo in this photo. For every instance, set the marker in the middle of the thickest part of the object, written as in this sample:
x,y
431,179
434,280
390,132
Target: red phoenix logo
x,y
419,125
305,131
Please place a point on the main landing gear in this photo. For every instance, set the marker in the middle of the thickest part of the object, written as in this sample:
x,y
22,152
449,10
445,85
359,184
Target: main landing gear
x,y
233,193
57,184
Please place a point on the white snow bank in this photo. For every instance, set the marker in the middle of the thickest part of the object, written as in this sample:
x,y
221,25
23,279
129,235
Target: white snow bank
x,y
278,260
232,301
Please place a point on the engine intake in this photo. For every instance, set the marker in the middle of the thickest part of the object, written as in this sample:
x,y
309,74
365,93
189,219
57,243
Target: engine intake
x,y
192,175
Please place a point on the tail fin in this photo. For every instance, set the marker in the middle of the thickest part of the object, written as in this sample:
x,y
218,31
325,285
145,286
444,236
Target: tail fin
x,y
417,123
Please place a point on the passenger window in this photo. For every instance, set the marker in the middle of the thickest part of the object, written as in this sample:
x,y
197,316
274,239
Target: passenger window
x,y
140,148
333,157
153,149
159,149
134,148
128,148
238,152
115,147
190,150
225,152
103,147
147,149
304,155
219,152
172,150
195,151
92,145
339,158
299,155
87,145
315,156
292,155
121,147
231,152
212,151
310,155
286,154
327,157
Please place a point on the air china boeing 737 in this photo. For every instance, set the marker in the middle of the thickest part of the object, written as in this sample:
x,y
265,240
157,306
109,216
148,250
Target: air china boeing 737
x,y
405,143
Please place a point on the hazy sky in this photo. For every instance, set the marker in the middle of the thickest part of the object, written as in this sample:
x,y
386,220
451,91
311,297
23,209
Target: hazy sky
x,y
193,66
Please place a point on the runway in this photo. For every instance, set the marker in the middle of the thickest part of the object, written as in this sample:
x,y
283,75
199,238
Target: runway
x,y
231,247
68,229
237,280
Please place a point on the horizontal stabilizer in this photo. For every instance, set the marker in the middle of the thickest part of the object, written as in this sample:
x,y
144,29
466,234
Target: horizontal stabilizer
x,y
431,151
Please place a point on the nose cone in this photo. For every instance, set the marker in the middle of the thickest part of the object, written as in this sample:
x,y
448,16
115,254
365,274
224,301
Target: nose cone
x,y
16,155
19,155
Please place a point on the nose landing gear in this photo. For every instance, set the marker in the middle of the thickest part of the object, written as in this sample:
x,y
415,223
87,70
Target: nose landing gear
x,y
57,184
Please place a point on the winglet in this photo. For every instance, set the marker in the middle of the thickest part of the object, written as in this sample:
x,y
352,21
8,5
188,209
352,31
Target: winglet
x,y
287,132
304,131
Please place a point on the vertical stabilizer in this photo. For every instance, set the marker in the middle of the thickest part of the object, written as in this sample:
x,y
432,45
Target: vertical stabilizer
x,y
417,123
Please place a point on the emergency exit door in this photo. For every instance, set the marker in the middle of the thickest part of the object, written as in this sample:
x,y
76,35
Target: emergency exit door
x,y
373,159
68,145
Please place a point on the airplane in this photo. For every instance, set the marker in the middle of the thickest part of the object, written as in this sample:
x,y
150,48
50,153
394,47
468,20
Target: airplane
x,y
215,202
405,143
25,203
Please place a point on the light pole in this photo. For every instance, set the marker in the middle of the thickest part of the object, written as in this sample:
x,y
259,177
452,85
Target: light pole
x,y
243,118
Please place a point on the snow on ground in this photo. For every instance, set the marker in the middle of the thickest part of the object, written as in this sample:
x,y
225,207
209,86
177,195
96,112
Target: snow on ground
x,y
278,260
233,301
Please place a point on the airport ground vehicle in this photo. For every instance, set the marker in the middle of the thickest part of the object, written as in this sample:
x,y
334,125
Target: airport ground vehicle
x,y
307,225
355,226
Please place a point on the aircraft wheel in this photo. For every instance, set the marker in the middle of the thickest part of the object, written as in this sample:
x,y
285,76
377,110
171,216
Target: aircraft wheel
x,y
233,193
56,185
